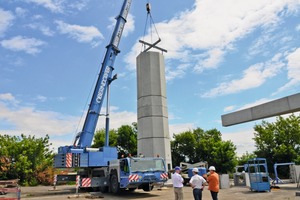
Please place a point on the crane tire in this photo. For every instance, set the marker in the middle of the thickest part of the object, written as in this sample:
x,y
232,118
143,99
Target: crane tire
x,y
114,184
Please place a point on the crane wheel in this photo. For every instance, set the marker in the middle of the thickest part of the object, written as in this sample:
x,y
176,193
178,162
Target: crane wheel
x,y
148,188
114,184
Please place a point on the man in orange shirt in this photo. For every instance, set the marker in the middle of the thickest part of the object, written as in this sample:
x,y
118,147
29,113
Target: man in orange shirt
x,y
213,182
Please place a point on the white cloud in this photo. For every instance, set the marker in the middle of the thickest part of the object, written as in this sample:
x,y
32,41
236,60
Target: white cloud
x,y
44,29
37,17
41,98
293,68
256,103
60,98
258,46
60,6
202,35
55,6
21,12
82,34
229,108
130,58
8,97
177,73
121,118
213,58
6,19
20,43
242,140
116,118
79,5
29,120
298,27
129,25
180,128
253,77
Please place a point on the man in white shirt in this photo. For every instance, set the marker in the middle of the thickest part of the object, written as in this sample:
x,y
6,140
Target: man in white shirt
x,y
177,184
197,182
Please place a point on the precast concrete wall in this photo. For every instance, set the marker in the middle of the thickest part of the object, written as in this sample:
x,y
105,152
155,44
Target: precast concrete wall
x,y
153,125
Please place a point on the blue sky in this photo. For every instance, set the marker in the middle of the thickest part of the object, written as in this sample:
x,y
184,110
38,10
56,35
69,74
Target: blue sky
x,y
223,56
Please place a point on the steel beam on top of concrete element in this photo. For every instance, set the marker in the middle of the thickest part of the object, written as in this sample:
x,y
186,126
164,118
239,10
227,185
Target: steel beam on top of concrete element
x,y
153,45
277,107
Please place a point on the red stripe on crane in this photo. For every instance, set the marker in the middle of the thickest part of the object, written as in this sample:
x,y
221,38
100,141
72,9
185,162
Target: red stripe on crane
x,y
86,182
69,160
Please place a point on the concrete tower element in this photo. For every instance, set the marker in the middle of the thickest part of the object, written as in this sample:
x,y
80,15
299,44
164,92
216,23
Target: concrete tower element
x,y
153,126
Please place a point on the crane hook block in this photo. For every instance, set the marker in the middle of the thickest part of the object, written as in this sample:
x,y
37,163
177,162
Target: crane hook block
x,y
148,7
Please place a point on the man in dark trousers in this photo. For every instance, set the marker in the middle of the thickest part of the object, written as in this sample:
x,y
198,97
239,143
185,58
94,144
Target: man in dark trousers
x,y
213,182
197,182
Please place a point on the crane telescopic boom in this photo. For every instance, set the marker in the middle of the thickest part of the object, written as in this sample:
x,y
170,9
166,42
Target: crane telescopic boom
x,y
85,137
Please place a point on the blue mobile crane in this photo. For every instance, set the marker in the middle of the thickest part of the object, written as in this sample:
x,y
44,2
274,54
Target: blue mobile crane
x,y
100,167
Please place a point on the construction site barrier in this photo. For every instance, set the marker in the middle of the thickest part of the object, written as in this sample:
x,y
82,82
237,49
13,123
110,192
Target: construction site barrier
x,y
10,190
77,183
54,181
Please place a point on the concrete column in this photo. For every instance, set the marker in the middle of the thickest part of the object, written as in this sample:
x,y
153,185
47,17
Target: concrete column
x,y
153,126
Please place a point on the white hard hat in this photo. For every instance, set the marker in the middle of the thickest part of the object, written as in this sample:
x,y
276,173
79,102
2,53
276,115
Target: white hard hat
x,y
195,170
212,168
177,168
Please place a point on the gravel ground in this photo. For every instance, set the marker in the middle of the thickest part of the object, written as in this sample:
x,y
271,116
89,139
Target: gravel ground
x,y
286,192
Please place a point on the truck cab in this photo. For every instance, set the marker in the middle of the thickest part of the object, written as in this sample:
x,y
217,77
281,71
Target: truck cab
x,y
137,173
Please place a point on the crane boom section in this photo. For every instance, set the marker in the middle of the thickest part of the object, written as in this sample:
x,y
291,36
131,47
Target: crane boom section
x,y
87,133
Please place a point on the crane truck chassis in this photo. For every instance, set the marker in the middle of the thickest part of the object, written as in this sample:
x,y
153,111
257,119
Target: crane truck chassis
x,y
100,167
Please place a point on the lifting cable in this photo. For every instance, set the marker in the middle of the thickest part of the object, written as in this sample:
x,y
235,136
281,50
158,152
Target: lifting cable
x,y
151,24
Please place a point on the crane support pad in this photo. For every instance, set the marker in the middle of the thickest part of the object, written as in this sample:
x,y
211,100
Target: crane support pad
x,y
66,177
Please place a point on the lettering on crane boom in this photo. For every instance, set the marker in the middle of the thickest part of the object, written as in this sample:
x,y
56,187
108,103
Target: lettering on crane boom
x,y
103,83
118,36
126,10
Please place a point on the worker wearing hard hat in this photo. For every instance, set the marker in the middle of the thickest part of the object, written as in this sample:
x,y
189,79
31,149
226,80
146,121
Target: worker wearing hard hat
x,y
213,182
177,184
197,182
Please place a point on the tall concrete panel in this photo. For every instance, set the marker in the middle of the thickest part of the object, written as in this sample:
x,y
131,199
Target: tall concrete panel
x,y
153,125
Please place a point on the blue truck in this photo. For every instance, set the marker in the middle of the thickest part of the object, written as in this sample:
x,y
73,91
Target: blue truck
x,y
100,167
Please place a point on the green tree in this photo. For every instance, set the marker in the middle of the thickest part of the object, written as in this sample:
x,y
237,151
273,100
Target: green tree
x,y
124,139
199,145
183,148
207,142
278,142
127,140
28,157
99,138
245,157
216,152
